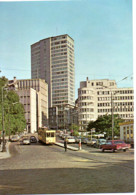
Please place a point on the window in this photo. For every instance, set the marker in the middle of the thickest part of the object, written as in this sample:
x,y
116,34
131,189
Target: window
x,y
47,134
52,134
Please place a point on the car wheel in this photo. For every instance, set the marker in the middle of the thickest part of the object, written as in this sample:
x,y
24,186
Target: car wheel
x,y
124,150
94,145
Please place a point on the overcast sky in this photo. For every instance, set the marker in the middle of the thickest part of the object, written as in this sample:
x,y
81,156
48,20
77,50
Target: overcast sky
x,y
101,29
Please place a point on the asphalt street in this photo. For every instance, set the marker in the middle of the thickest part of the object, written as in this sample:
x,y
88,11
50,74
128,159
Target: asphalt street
x,y
41,169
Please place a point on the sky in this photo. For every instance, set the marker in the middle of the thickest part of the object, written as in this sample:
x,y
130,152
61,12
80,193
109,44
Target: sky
x,y
101,29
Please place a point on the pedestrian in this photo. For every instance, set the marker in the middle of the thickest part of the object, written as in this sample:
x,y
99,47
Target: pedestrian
x,y
65,144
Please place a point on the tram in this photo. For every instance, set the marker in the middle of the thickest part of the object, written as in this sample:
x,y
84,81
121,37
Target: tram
x,y
46,136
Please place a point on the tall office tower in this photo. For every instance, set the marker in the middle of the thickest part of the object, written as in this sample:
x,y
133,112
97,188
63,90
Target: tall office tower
x,y
52,59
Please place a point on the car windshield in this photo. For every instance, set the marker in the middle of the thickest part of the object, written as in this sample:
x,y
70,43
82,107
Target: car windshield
x,y
14,136
109,143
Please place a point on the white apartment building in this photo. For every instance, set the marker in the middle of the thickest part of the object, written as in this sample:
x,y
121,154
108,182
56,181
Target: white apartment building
x,y
99,97
28,98
52,59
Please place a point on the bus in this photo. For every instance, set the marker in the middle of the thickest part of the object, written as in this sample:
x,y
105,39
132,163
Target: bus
x,y
46,136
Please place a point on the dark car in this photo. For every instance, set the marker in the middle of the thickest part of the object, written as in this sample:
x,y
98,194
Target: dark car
x,y
33,139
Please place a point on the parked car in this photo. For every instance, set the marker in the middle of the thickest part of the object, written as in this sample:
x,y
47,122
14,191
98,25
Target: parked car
x,y
85,140
33,139
99,143
25,140
71,139
115,145
91,142
14,138
77,139
64,135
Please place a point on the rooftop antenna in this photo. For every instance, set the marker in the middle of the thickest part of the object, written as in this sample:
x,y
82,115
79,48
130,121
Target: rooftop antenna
x,y
56,31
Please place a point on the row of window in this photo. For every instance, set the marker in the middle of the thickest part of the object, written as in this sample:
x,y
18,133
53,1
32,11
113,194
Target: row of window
x,y
86,98
116,104
59,95
59,102
125,116
58,47
59,66
58,42
59,72
86,110
58,38
59,54
55,70
59,58
86,104
85,116
62,86
116,110
59,81
60,61
116,98
59,77
85,92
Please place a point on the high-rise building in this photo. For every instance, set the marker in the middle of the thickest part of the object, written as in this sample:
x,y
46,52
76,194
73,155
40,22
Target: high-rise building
x,y
100,97
52,59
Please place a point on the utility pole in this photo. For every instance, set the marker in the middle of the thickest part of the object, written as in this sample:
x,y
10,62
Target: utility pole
x,y
112,114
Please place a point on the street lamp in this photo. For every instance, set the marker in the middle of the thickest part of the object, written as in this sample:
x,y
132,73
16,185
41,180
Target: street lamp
x,y
9,118
3,130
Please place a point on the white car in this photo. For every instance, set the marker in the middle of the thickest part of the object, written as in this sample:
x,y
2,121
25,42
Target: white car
x,y
26,141
71,140
91,142
14,138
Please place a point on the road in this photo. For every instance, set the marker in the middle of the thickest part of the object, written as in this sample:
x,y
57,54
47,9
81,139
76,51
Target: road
x,y
41,169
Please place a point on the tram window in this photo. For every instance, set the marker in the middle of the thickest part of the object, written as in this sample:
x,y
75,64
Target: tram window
x,y
52,134
48,134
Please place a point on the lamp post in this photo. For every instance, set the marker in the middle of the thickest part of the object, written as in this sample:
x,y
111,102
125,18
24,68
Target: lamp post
x,y
9,118
3,127
112,114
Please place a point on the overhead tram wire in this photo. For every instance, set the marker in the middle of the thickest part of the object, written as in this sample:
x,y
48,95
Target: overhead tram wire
x,y
126,77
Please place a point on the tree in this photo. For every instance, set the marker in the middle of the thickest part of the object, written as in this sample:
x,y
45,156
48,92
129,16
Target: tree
x,y
75,129
104,124
14,118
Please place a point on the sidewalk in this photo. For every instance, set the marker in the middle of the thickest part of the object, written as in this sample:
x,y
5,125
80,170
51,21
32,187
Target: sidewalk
x,y
6,154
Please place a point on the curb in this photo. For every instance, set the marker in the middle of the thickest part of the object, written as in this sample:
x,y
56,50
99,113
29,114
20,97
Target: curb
x,y
68,147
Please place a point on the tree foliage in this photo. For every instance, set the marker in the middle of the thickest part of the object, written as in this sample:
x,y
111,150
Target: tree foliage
x,y
104,124
14,118
75,129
